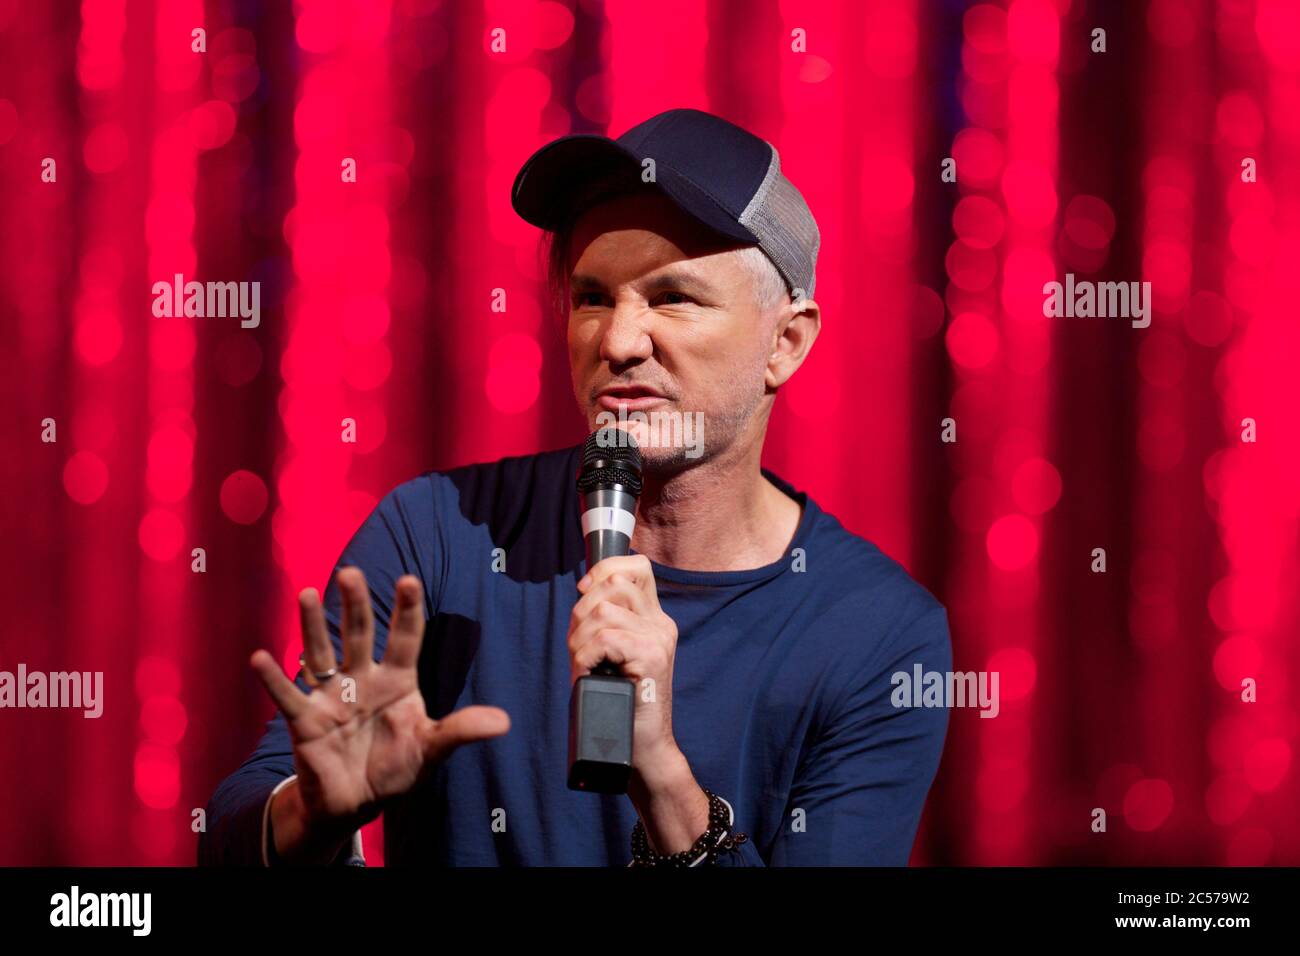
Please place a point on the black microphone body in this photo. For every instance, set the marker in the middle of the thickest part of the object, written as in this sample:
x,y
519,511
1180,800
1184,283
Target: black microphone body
x,y
602,705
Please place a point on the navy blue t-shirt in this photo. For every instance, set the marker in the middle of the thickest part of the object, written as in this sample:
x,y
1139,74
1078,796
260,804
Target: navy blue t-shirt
x,y
781,685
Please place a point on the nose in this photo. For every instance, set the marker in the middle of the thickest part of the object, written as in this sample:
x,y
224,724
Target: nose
x,y
626,336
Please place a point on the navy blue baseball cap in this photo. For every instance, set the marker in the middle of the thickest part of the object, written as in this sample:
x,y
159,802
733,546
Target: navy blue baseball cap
x,y
722,175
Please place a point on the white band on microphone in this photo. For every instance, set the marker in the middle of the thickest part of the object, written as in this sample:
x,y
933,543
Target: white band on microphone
x,y
608,519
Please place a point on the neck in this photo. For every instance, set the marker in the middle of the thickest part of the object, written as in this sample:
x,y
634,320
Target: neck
x,y
722,515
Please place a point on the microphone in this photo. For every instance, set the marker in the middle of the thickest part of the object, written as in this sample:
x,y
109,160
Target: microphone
x,y
602,705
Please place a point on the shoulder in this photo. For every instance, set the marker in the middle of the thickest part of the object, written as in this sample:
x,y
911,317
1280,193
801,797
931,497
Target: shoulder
x,y
878,617
482,487
479,488
863,578
524,505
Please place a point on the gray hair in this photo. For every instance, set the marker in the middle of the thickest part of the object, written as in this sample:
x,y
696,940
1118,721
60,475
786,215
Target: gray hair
x,y
767,283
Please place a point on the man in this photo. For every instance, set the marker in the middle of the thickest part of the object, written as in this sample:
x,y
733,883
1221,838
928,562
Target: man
x,y
765,632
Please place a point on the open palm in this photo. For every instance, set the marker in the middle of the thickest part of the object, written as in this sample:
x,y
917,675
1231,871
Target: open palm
x,y
362,735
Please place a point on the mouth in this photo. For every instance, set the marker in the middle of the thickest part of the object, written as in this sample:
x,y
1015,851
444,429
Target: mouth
x,y
633,397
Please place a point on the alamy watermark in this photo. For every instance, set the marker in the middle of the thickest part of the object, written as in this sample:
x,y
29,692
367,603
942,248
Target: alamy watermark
x,y
663,429
220,300
74,689
1102,300
923,688
75,908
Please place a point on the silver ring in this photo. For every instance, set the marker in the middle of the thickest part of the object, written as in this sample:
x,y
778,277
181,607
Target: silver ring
x,y
319,678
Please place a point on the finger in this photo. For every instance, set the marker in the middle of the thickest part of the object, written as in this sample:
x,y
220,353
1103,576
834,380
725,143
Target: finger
x,y
463,726
629,564
635,567
286,694
406,629
317,651
358,624
608,644
616,589
603,616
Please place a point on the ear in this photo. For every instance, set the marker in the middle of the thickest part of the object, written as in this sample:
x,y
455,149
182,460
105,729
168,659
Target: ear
x,y
792,340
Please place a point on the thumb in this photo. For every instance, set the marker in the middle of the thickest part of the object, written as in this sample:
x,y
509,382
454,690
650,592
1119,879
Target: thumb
x,y
463,726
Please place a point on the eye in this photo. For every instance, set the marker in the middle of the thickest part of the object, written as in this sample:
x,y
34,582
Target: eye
x,y
581,299
675,298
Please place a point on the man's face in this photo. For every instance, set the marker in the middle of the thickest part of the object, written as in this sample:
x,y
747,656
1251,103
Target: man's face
x,y
663,319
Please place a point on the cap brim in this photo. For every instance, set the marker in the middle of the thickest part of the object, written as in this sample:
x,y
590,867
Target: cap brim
x,y
554,178
550,181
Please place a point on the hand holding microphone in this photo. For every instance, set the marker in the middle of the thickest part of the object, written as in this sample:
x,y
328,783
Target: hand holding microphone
x,y
621,642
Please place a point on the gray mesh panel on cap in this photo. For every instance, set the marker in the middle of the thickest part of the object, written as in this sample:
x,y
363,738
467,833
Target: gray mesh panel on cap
x,y
785,227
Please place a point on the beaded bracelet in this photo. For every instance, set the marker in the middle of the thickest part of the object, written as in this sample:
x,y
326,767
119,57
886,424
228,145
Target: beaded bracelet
x,y
716,838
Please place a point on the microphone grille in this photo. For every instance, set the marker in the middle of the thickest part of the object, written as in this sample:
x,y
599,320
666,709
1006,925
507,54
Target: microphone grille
x,y
610,455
